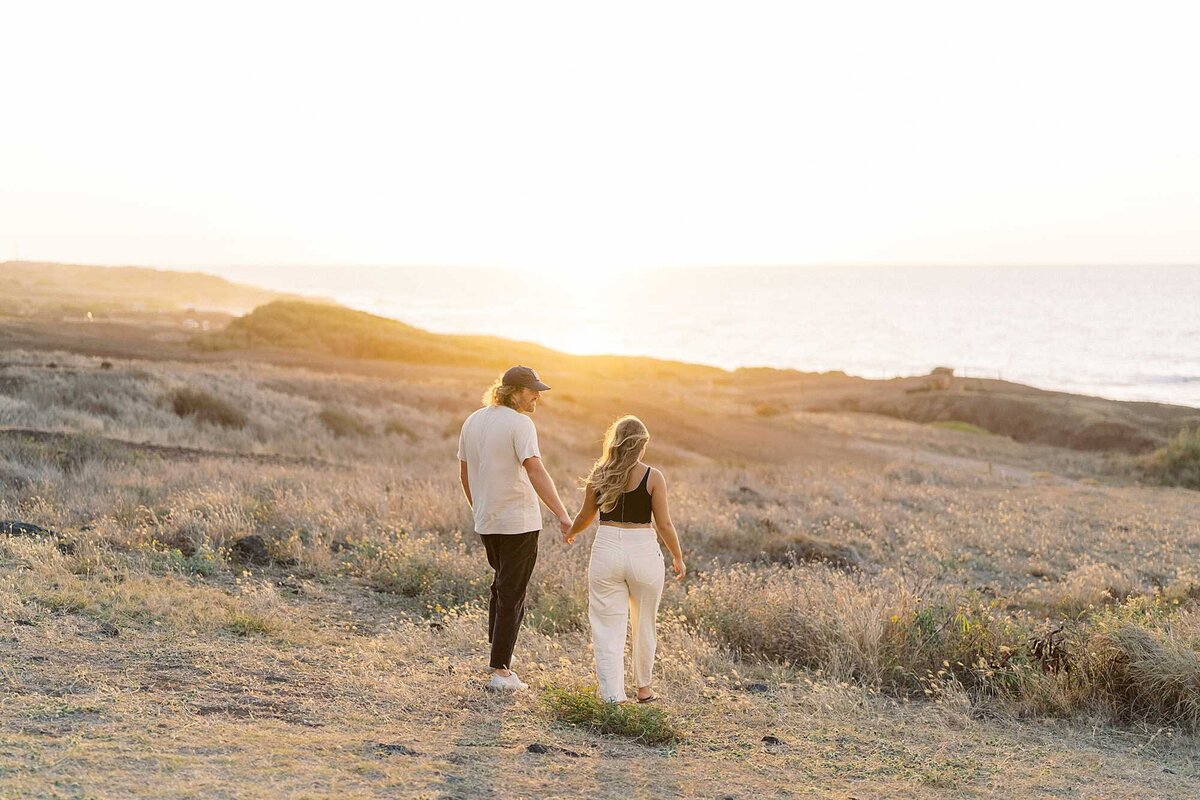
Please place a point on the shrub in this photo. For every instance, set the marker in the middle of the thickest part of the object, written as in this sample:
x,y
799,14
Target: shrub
x,y
205,407
581,707
1139,663
1177,464
343,423
420,567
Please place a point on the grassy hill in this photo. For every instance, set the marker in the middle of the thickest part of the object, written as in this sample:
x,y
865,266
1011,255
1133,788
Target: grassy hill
x,y
47,289
346,333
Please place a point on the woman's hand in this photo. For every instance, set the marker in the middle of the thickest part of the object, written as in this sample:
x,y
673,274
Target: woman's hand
x,y
568,537
677,565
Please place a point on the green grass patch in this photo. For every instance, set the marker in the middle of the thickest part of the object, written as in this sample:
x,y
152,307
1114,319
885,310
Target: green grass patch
x,y
248,624
203,562
581,707
960,426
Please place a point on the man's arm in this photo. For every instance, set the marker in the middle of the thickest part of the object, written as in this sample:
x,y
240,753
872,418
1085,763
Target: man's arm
x,y
466,482
545,488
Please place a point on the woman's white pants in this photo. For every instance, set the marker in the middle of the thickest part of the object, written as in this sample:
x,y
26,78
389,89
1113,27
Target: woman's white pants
x,y
625,582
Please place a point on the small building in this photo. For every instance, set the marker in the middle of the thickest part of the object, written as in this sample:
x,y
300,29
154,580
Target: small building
x,y
940,378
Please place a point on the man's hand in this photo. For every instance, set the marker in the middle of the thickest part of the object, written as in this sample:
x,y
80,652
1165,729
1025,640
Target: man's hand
x,y
565,523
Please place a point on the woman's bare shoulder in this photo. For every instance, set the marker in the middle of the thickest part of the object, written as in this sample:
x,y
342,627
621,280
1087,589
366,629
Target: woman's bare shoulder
x,y
656,479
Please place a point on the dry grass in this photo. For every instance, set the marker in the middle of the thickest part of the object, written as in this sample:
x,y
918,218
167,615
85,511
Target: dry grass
x,y
869,611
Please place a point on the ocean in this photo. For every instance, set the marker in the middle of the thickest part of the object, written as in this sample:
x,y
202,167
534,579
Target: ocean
x,y
1127,333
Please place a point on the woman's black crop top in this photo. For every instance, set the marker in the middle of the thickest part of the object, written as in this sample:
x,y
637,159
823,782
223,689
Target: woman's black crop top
x,y
634,506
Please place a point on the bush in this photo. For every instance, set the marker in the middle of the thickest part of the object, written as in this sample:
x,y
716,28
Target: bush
x,y
1139,662
205,407
1177,464
343,423
580,706
421,567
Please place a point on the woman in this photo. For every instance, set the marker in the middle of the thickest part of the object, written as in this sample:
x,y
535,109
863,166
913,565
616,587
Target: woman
x,y
625,574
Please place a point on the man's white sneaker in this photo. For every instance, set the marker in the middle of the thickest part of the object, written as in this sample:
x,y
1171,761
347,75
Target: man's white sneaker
x,y
510,683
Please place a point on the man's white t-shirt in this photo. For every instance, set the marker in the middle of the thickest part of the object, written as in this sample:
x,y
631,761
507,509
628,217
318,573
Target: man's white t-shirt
x,y
495,441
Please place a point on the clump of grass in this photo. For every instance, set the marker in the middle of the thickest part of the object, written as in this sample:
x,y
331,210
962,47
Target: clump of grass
x,y
420,567
341,423
200,562
1177,464
879,632
1140,662
206,407
244,624
581,707
1084,589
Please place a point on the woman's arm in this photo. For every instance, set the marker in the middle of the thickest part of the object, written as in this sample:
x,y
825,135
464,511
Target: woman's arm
x,y
585,516
661,511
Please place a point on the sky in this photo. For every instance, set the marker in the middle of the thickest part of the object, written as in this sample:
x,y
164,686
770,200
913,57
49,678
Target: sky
x,y
606,136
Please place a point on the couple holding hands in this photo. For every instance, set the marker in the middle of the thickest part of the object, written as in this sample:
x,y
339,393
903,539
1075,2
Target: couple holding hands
x,y
502,477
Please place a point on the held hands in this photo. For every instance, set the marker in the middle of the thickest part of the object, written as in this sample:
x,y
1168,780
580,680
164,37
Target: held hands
x,y
677,565
564,524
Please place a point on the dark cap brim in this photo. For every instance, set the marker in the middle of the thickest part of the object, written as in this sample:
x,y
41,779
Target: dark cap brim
x,y
541,387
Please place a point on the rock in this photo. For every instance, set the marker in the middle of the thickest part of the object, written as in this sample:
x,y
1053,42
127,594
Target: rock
x,y
291,584
106,365
24,622
108,629
251,550
338,545
395,749
771,740
28,529
756,688
23,529
544,749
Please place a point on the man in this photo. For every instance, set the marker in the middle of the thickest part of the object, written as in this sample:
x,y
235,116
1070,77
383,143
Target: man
x,y
503,476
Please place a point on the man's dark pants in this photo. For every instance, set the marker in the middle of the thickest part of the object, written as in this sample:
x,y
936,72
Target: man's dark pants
x,y
512,556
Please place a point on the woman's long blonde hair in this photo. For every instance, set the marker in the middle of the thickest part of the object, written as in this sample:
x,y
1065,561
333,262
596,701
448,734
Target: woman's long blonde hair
x,y
624,443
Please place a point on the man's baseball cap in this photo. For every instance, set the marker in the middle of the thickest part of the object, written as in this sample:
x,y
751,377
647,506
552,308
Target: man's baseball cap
x,y
523,376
